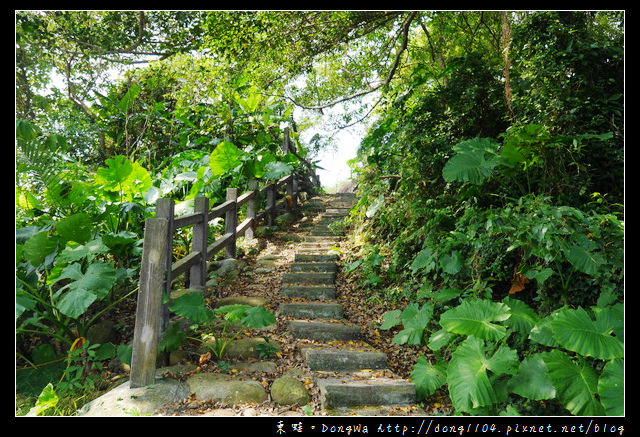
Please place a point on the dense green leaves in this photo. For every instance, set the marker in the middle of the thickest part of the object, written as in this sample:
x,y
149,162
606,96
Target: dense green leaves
x,y
477,317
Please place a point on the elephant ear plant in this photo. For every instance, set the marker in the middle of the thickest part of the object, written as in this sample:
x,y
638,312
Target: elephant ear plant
x,y
574,356
224,324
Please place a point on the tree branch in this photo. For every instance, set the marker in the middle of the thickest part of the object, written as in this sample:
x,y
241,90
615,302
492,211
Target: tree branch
x,y
396,62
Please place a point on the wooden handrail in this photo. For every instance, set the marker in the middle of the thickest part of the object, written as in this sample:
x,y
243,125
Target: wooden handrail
x,y
158,271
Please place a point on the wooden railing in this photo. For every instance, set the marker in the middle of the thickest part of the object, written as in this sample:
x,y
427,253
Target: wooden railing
x,y
157,270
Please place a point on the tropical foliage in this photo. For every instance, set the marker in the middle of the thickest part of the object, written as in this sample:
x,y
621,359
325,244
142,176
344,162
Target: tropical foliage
x,y
491,180
494,207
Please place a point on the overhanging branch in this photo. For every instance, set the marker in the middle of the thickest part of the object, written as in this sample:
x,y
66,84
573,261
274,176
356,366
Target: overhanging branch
x,y
394,66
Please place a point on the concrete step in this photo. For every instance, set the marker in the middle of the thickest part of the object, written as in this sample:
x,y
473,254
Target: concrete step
x,y
310,257
323,331
316,238
357,390
309,292
343,359
314,267
309,278
311,310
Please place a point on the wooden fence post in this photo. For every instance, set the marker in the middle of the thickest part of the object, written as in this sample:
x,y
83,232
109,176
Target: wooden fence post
x,y
149,310
271,204
198,272
231,222
165,208
251,208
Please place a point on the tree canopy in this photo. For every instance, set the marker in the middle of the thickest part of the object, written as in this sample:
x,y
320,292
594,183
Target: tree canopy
x,y
490,179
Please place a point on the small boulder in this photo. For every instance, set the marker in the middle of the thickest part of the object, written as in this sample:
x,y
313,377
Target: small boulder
x,y
289,391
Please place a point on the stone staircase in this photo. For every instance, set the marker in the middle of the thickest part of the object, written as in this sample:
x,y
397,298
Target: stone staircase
x,y
352,376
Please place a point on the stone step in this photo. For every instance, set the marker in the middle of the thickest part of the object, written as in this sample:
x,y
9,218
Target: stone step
x,y
311,310
309,278
309,292
343,359
323,331
357,390
314,267
310,257
315,238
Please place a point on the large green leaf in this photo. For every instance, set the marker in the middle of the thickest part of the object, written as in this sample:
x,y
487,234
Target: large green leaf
x,y
577,332
98,278
258,317
115,173
76,302
76,227
193,307
225,157
476,317
611,387
473,162
276,170
584,260
427,378
575,384
452,263
414,320
523,317
468,375
532,380
37,247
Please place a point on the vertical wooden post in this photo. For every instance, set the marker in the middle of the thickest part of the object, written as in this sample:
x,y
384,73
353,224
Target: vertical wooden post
x,y
294,190
198,272
165,208
251,208
271,204
290,193
231,222
148,312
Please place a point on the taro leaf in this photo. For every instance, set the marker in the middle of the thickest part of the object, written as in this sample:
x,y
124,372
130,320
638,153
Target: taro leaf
x,y
75,252
475,317
115,174
37,247
193,307
414,320
224,157
577,332
98,279
440,339
575,384
583,259
523,317
467,374
542,333
446,294
611,387
423,260
391,319
451,263
532,380
232,313
473,162
76,227
258,317
428,378
75,302
276,170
